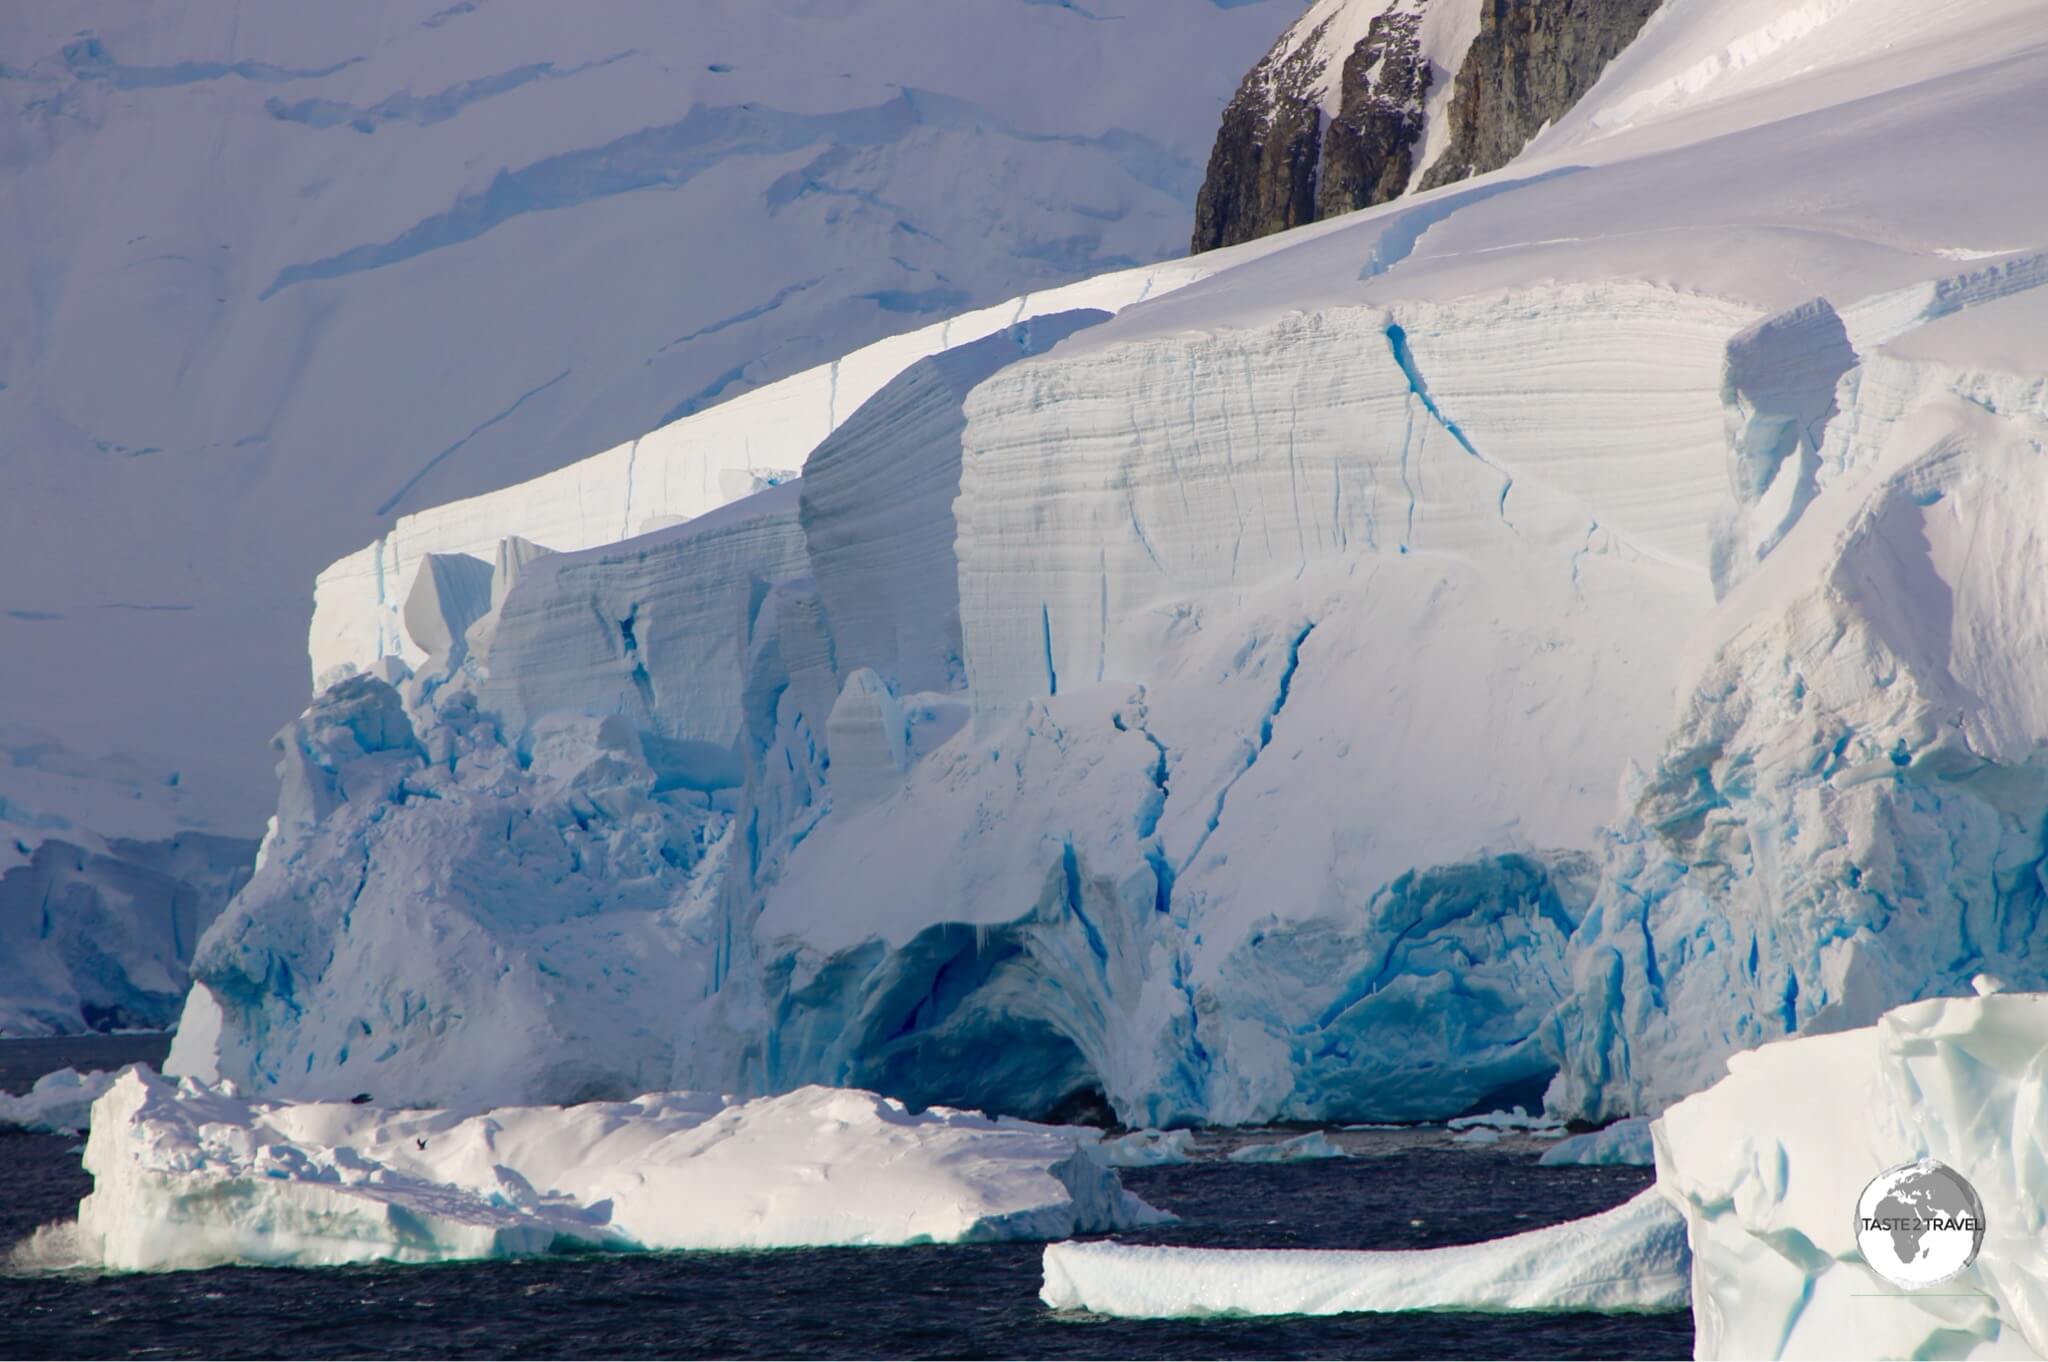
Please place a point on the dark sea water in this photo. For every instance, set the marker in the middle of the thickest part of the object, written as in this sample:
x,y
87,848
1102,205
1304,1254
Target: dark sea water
x,y
1403,1190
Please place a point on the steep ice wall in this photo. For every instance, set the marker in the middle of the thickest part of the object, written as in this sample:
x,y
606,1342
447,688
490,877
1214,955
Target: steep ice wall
x,y
481,923
1108,878
878,510
1093,489
651,628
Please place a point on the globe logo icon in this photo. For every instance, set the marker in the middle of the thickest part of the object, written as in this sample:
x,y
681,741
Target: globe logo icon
x,y
1919,1224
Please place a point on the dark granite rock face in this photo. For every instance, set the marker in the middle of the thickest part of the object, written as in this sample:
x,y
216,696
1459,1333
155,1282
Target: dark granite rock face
x,y
1262,170
1279,162
1369,150
1531,62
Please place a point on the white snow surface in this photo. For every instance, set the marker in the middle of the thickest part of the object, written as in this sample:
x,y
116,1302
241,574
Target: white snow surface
x,y
273,278
59,1102
1767,1165
188,1176
1564,628
1632,1258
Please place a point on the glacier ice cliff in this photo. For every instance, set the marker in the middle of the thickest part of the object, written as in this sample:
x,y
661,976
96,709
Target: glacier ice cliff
x,y
1540,637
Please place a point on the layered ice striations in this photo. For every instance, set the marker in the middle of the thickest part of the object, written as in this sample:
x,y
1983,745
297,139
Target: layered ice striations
x,y
686,468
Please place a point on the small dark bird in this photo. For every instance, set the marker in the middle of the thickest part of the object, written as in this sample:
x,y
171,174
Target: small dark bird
x,y
420,1142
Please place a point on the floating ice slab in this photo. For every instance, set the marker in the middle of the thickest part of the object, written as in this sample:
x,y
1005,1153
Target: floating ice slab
x,y
1147,1148
190,1176
1314,1145
1632,1258
1518,1119
59,1102
1624,1142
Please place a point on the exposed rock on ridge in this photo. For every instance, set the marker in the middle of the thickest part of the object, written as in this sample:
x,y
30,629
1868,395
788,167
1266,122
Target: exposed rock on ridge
x,y
1531,62
1262,171
1326,124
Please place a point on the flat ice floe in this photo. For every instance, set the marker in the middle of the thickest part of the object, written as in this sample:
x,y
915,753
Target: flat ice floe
x,y
1632,1258
190,1176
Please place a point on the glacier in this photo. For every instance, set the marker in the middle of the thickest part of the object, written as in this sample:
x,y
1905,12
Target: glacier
x,y
58,1103
191,1176
1523,643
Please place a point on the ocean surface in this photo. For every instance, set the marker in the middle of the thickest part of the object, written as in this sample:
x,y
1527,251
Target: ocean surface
x,y
1402,1189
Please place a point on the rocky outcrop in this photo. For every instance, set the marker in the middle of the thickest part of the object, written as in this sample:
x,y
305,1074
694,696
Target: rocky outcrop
x,y
1531,62
1369,150
1324,124
1262,171
1334,118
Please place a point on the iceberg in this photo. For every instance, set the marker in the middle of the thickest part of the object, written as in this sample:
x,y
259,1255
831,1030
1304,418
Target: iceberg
x,y
1624,1142
1314,1145
1632,1258
59,1103
1767,1166
1542,1123
1146,1148
186,1176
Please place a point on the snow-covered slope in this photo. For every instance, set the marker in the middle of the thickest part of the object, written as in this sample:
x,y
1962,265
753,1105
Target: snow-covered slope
x,y
274,277
1567,626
